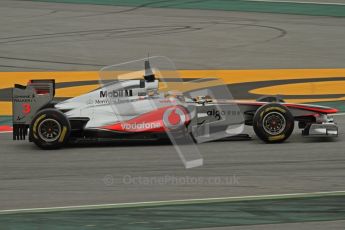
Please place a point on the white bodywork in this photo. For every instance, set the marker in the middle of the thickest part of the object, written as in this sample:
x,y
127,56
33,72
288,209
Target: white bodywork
x,y
113,103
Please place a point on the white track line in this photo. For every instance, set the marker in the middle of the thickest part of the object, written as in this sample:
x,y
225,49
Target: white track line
x,y
6,132
176,202
338,114
298,2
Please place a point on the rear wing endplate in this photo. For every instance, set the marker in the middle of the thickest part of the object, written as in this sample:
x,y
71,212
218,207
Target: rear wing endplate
x,y
27,101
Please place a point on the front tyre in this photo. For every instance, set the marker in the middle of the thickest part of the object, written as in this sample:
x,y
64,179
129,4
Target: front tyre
x,y
50,129
273,123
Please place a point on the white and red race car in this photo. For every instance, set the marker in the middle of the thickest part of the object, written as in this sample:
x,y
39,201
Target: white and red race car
x,y
136,109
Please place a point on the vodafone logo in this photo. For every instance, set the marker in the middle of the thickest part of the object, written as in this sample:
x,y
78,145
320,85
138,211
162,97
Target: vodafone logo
x,y
140,126
174,118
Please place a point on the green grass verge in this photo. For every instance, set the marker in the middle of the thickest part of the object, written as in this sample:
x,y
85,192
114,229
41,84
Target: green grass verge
x,y
5,120
340,105
226,5
188,216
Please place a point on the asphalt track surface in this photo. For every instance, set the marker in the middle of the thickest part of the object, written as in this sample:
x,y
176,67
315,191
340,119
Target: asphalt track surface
x,y
42,36
121,172
118,173
49,36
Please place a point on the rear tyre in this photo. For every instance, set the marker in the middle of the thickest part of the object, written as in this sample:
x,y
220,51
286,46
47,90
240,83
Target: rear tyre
x,y
50,129
273,123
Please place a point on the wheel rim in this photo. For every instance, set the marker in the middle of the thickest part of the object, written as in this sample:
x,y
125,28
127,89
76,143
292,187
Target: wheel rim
x,y
49,130
274,123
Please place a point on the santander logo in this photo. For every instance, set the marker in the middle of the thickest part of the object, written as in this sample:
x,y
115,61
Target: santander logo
x,y
174,118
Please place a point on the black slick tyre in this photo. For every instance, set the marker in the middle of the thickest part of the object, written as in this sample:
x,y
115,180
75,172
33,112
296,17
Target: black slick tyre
x,y
50,129
273,123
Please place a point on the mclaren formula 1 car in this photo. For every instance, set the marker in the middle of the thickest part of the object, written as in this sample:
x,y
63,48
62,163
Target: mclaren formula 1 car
x,y
137,109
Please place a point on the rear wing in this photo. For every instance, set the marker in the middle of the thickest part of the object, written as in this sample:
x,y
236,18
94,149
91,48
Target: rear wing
x,y
27,101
